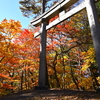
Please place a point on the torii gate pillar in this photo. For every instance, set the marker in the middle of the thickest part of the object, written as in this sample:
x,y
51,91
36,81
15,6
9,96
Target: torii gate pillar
x,y
43,74
95,30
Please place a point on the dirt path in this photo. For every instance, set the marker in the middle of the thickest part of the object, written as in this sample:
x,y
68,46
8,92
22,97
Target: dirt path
x,y
53,95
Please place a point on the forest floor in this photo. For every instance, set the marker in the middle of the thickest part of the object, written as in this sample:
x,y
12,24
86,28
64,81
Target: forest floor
x,y
55,94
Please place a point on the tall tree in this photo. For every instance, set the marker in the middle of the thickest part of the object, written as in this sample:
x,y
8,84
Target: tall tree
x,y
34,7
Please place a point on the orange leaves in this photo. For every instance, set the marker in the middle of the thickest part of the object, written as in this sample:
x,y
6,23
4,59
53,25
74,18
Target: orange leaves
x,y
9,30
50,71
24,36
10,27
59,26
4,76
73,40
66,26
19,54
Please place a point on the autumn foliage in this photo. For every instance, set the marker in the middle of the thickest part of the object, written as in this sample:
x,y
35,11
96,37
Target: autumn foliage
x,y
70,56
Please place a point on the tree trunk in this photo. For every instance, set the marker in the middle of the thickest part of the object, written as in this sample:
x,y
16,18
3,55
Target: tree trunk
x,y
56,78
21,81
74,79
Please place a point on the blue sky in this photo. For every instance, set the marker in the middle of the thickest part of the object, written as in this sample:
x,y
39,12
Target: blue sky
x,y
9,9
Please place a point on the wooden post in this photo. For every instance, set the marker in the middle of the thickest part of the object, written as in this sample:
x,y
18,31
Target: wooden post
x,y
43,74
95,28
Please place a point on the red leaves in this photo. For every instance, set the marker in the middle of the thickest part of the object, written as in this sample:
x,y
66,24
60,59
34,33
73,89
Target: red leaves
x,y
59,26
4,76
7,86
66,26
26,33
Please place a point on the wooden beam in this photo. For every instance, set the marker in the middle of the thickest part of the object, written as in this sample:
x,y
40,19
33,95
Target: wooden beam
x,y
37,34
64,17
67,15
53,11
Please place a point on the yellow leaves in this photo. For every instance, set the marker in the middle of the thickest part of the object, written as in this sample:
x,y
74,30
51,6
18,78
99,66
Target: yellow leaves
x,y
89,58
72,85
52,54
25,61
59,69
14,80
0,84
98,78
28,64
65,57
68,67
85,66
86,82
10,27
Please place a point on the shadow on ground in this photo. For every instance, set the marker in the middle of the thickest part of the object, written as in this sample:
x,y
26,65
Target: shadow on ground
x,y
53,95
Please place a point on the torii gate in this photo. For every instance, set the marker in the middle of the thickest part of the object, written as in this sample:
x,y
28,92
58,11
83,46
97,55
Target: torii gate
x,y
60,8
